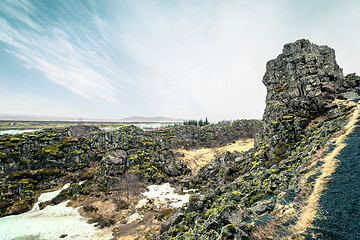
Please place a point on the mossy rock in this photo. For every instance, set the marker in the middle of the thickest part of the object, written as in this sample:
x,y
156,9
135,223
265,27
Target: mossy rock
x,y
3,155
87,175
15,139
48,172
20,175
256,198
25,174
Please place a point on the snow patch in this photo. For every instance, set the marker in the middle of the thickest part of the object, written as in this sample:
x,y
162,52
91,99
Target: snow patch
x,y
48,196
134,217
163,196
50,223
14,132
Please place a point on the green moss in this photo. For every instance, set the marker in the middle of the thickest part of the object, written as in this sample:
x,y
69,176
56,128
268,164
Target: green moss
x,y
256,198
278,157
45,139
87,175
135,169
53,150
211,211
174,231
77,152
83,156
25,181
236,192
151,169
2,155
260,154
156,175
289,117
18,174
50,171
101,187
256,181
255,164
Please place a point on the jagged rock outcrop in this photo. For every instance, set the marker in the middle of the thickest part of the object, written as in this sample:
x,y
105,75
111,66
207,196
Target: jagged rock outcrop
x,y
301,84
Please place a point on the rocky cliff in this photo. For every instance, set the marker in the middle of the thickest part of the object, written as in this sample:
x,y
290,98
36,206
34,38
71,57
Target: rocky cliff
x,y
301,84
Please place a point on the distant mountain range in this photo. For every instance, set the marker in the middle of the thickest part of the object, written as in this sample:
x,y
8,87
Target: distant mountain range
x,y
8,117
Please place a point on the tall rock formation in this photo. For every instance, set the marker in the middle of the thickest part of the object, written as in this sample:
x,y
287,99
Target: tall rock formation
x,y
301,84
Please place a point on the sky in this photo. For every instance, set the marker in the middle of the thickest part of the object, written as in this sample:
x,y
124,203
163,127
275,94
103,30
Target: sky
x,y
112,59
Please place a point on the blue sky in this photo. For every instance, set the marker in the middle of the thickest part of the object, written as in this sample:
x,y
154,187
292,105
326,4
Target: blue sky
x,y
181,59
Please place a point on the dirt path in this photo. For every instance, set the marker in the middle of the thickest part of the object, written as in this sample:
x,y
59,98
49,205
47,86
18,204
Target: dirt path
x,y
198,158
339,215
333,208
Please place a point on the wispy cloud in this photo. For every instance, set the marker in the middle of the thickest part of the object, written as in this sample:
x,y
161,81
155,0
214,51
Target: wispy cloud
x,y
187,59
70,55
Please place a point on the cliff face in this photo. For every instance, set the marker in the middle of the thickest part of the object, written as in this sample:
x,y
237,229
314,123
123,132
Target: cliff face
x,y
301,84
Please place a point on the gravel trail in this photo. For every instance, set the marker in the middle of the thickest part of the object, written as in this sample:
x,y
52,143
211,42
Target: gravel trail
x,y
339,207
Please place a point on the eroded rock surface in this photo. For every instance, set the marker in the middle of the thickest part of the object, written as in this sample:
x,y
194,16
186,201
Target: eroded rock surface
x,y
301,84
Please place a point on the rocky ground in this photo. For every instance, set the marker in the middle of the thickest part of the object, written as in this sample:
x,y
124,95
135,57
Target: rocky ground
x,y
115,165
257,194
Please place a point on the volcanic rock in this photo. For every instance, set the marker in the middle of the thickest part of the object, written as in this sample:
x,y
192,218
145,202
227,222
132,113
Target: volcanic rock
x,y
301,82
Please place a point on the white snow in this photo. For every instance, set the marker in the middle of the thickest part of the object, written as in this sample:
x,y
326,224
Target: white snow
x,y
14,132
164,196
48,196
134,217
49,223
53,221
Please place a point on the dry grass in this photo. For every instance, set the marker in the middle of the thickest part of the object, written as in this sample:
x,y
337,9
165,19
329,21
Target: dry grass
x,y
198,158
308,214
